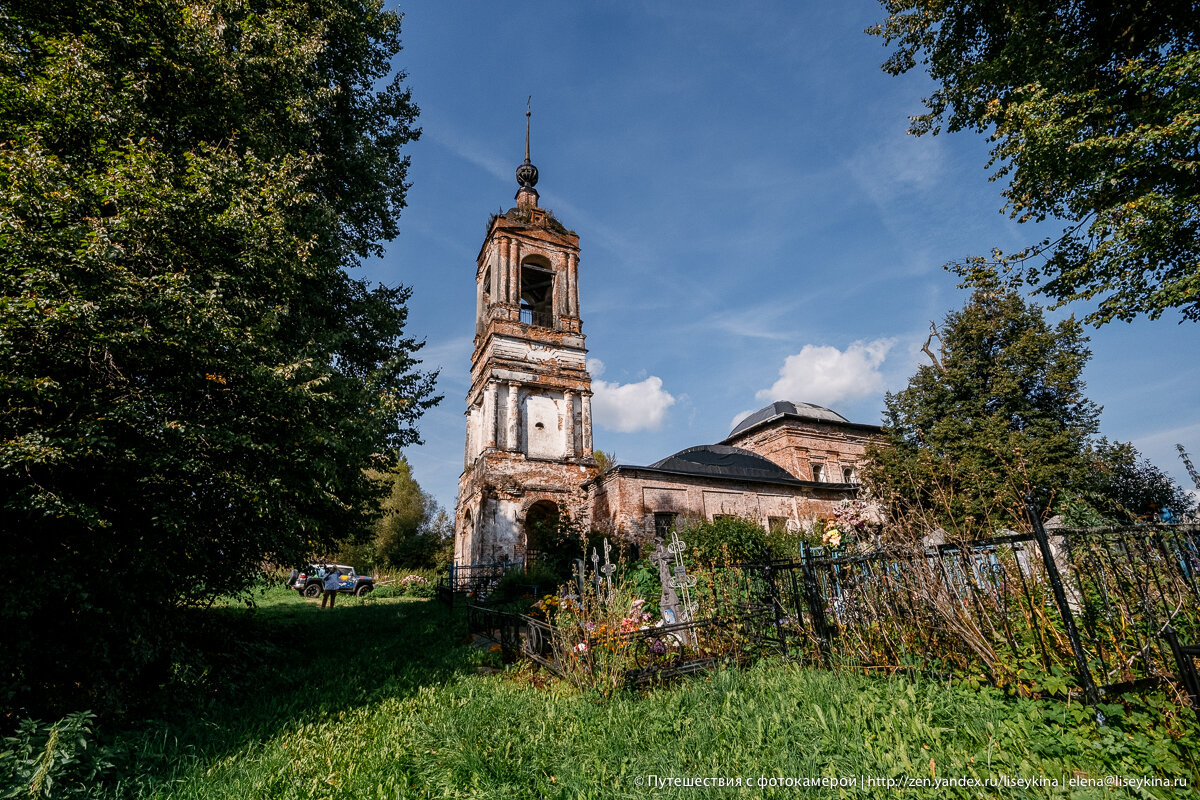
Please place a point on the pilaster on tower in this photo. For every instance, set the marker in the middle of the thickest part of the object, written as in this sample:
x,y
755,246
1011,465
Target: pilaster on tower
x,y
528,442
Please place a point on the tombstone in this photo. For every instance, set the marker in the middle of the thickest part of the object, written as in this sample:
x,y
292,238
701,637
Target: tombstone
x,y
668,601
580,568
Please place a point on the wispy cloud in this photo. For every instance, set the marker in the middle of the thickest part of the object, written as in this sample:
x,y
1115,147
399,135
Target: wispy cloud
x,y
826,375
453,354
485,156
897,165
472,150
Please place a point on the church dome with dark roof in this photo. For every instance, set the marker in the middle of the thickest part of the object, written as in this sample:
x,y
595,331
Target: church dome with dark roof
x,y
786,408
722,461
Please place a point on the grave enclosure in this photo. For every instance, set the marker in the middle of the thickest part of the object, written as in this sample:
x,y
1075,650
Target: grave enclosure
x,y
1089,613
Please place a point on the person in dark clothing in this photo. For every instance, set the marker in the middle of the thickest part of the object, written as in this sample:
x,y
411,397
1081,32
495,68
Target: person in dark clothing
x,y
332,583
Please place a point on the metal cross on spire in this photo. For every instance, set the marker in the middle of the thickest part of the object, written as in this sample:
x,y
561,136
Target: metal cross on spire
x,y
527,174
528,114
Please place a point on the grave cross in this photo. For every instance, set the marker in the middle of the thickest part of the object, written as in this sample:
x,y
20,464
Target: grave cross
x,y
681,580
596,570
609,568
669,600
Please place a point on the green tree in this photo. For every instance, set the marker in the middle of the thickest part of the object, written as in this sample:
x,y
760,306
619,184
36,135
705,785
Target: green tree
x,y
999,412
1123,486
412,531
605,460
190,381
1093,110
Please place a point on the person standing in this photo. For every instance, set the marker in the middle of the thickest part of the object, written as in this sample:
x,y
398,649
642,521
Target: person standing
x,y
332,584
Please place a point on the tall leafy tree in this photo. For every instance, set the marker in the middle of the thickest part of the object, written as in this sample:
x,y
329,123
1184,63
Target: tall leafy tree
x,y
191,382
411,532
999,412
1124,486
1093,109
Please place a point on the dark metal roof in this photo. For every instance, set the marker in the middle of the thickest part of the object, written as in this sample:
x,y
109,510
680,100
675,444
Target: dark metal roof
x,y
722,461
786,408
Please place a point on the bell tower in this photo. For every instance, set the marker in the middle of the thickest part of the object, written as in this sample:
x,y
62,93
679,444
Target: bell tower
x,y
529,420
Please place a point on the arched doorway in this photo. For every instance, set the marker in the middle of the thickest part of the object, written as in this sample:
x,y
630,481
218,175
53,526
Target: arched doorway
x,y
541,522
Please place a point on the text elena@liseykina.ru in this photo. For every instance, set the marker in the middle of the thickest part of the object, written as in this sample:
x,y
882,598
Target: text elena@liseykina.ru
x,y
904,782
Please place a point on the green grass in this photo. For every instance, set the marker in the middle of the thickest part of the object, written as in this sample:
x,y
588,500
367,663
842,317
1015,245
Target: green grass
x,y
382,699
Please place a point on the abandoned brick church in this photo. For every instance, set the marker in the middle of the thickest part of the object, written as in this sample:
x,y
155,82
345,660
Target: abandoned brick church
x,y
528,452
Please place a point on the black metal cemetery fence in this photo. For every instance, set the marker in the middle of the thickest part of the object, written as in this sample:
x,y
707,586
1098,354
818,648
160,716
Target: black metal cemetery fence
x,y
1099,611
1092,612
473,581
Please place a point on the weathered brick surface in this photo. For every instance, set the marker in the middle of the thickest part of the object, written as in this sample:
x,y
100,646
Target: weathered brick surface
x,y
797,444
528,417
625,500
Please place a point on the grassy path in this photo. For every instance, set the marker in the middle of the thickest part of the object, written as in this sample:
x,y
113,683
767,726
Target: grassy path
x,y
383,700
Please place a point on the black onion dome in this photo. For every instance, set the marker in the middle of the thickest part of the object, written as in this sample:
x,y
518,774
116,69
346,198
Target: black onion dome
x,y
527,175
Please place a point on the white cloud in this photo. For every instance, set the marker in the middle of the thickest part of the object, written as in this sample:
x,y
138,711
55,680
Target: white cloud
x,y
741,415
595,367
826,375
630,407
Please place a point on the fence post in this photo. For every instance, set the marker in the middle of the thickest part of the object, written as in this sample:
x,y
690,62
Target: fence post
x,y
772,587
1090,694
1186,667
816,606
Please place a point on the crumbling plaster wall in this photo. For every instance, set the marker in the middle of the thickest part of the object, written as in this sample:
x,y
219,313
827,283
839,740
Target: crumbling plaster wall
x,y
499,491
625,500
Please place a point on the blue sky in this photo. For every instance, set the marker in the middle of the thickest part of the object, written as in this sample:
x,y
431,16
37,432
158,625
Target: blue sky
x,y
754,222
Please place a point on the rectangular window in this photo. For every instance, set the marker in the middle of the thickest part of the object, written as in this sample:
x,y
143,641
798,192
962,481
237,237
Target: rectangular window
x,y
777,525
664,523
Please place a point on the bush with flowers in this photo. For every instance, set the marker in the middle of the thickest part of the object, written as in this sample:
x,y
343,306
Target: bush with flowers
x,y
605,639
590,634
857,519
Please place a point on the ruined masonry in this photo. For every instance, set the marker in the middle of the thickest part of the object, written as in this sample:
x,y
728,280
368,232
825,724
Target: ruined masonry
x,y
529,428
528,453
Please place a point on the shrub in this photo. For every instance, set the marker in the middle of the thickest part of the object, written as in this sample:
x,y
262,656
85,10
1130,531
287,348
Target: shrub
x,y
418,585
725,539
59,760
517,583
